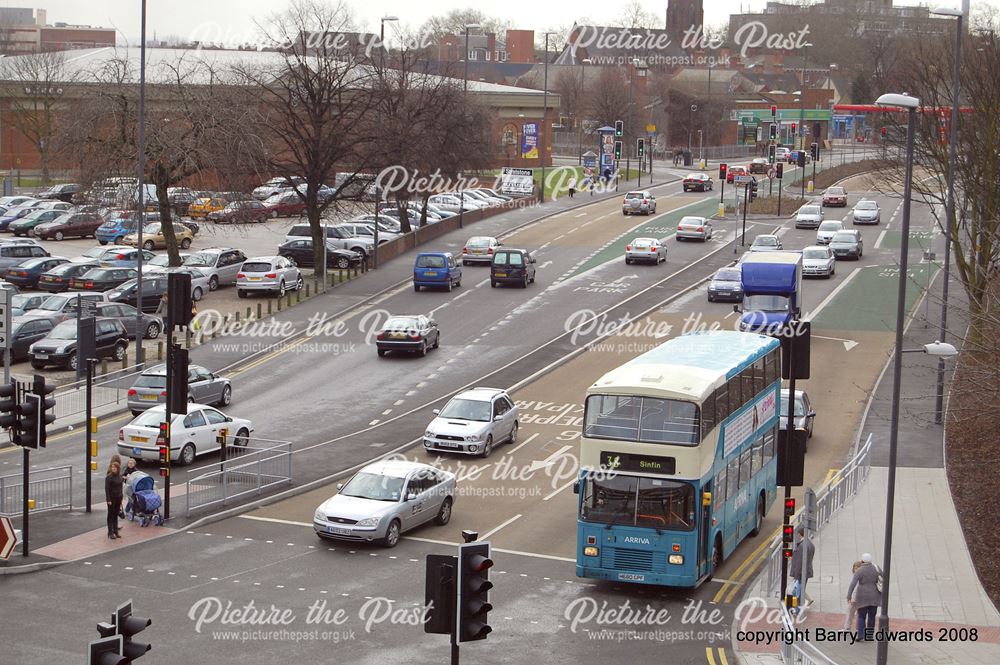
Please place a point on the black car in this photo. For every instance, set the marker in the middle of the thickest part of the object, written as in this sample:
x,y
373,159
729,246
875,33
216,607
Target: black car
x,y
153,288
56,280
301,251
61,192
512,266
26,274
59,346
102,279
180,202
25,331
726,285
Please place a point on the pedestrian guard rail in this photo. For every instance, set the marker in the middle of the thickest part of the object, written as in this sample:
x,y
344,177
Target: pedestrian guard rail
x,y
251,467
49,489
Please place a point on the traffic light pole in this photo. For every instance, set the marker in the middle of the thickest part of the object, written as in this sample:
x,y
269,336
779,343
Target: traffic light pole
x,y
779,197
789,430
166,437
88,458
25,465
746,204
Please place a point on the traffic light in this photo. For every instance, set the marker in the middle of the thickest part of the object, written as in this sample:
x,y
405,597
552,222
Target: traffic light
x,y
884,132
618,149
177,381
42,390
640,147
33,416
774,110
753,189
789,506
722,172
814,151
771,151
779,170
788,533
773,132
8,407
619,128
107,650
801,158
129,626
439,593
164,449
178,299
474,586
793,128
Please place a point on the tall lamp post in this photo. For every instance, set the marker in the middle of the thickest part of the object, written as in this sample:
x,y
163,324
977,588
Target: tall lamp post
x,y
910,104
140,214
579,107
950,213
465,81
378,197
545,118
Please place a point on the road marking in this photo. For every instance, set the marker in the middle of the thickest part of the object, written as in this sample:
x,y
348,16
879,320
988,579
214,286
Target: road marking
x,y
739,569
387,412
373,423
541,464
541,247
848,343
485,281
497,528
411,393
398,402
522,444
461,295
441,306
582,214
878,241
819,308
536,555
553,493
275,520
559,237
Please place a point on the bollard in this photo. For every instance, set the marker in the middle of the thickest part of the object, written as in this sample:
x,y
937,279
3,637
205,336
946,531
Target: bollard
x,y
249,313
307,290
125,358
159,350
298,295
104,366
289,301
187,338
259,311
269,307
279,304
315,285
237,319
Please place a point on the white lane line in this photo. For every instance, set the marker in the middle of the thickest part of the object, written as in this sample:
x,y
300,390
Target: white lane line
x,y
552,494
541,464
387,411
878,241
541,247
485,281
410,393
461,295
374,422
559,237
582,214
421,384
274,520
819,308
522,444
497,528
442,306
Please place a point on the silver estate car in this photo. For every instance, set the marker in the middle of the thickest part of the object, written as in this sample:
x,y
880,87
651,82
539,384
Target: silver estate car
x,y
645,249
472,422
204,387
383,500
847,244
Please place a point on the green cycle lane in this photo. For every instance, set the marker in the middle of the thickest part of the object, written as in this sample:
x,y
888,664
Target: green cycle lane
x,y
661,226
868,302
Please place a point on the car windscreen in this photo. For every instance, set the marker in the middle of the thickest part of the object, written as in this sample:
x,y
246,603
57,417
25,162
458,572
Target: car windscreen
x,y
728,276
809,210
54,304
844,237
256,266
507,258
815,254
799,408
65,330
866,205
151,381
764,241
430,261
836,191
152,418
199,260
830,226
374,486
765,303
467,409
478,242
402,324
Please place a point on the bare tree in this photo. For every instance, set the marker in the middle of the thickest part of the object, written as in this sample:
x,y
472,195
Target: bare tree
x,y
635,15
454,23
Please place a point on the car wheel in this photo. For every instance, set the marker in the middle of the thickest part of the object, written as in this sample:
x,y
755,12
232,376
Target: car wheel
x,y
444,513
239,292
59,235
437,341
119,352
35,364
103,242
391,535
153,331
628,261
524,282
213,283
135,413
710,298
227,396
416,287
281,289
488,447
186,243
274,214
465,263
187,455
71,361
149,244
450,286
299,283
242,438
381,353
513,434
493,284
423,349
343,263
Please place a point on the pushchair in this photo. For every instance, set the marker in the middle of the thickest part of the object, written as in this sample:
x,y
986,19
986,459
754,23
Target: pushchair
x,y
144,502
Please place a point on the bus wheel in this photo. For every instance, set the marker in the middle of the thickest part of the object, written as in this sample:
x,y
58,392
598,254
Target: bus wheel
x,y
759,518
716,556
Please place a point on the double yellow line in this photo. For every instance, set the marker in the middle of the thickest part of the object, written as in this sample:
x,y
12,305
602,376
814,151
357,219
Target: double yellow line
x,y
270,356
710,655
744,571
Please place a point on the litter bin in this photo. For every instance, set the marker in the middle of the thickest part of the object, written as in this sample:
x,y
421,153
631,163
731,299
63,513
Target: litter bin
x,y
687,158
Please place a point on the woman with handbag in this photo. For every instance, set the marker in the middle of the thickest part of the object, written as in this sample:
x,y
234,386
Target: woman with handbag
x,y
867,581
852,603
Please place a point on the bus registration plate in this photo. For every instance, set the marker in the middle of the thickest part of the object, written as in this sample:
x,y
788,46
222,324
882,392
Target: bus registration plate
x,y
631,577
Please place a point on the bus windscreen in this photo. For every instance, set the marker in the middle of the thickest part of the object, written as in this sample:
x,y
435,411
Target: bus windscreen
x,y
635,501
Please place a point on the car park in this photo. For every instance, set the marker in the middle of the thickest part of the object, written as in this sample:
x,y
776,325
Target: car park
x,y
809,217
827,230
847,243
25,275
285,204
153,288
453,203
409,333
26,225
387,225
436,270
101,279
336,236
221,263
727,285
803,416
766,243
62,192
25,331
14,213
301,252
56,280
758,165
70,225
697,182
835,196
495,193
193,433
270,274
204,387
153,237
639,202
695,228
199,279
61,306
512,266
276,186
126,257
116,226
472,422
161,262
481,196
385,499
12,254
818,260
149,328
866,212
23,302
59,346
241,212
366,230
414,215
646,250
479,249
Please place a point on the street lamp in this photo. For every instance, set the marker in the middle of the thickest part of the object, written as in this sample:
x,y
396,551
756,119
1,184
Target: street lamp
x,y
579,110
465,83
141,193
381,49
911,104
545,118
950,201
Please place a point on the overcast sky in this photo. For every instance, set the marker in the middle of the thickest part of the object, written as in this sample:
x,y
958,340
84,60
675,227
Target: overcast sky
x,y
234,20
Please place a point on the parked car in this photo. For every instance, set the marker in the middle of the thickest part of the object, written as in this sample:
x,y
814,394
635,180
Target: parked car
x,y
126,257
867,212
413,215
12,254
192,433
16,212
766,243
639,202
199,279
512,266
62,306
101,279
270,274
366,230
276,185
698,228
204,387
222,264
827,230
385,499
645,249
759,165
116,226
301,251
472,422
180,202
56,280
734,171
809,217
818,260
412,333
25,275
26,225
453,203
697,182
23,302
285,204
25,331
70,225
153,288
63,192
495,193
150,327
59,346
479,249
161,262
335,236
847,244
240,212
436,270
835,196
387,225
153,238
205,205
803,416
727,285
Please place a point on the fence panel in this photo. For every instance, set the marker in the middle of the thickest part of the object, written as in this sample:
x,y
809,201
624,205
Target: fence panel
x,y
110,388
50,488
247,470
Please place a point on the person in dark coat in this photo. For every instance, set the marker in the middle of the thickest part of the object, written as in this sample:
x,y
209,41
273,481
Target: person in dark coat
x,y
113,493
801,568
866,581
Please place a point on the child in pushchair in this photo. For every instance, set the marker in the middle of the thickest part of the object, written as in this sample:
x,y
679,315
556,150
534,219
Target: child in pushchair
x,y
143,500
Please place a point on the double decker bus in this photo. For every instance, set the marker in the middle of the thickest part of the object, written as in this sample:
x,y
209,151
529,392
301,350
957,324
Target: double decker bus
x,y
678,461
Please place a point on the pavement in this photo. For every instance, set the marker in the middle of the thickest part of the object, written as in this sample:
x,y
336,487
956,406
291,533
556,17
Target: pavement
x,y
936,601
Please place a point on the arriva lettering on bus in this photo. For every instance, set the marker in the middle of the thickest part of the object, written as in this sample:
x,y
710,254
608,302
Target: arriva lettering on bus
x,y
635,540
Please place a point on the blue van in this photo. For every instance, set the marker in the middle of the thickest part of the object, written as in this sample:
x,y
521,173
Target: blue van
x,y
438,269
116,226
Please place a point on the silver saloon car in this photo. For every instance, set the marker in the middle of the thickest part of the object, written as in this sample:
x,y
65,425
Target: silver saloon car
x,y
648,250
383,500
818,261
867,212
204,387
697,228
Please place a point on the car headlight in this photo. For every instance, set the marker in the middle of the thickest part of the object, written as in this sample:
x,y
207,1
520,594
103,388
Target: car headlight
x,y
320,516
429,434
368,521
474,437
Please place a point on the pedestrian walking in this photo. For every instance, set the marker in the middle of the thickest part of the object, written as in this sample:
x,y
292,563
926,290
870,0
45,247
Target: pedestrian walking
x,y
572,187
852,603
802,565
867,581
113,495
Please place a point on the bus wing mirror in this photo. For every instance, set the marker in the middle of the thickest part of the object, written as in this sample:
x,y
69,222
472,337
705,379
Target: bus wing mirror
x,y
576,487
736,308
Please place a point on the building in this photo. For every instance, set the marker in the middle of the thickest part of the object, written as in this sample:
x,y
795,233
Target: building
x,y
517,47
24,30
682,15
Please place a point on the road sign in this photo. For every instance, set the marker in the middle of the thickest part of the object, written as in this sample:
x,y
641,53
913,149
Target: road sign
x,y
7,538
650,128
742,179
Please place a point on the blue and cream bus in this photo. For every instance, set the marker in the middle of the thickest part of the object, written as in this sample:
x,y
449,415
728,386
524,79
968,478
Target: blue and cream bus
x,y
677,459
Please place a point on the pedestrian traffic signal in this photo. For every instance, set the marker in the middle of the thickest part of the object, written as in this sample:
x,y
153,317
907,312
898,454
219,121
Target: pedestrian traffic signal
x,y
8,407
770,153
619,128
178,299
789,507
640,147
774,110
773,132
722,172
618,149
129,626
474,586
793,128
786,552
177,380
788,533
814,151
439,593
779,170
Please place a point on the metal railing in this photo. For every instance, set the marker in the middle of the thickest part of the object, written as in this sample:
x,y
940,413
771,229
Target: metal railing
x,y
248,470
832,496
799,653
110,388
50,489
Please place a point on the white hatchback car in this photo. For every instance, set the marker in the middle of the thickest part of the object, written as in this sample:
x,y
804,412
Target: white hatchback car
x,y
191,434
645,249
272,274
472,421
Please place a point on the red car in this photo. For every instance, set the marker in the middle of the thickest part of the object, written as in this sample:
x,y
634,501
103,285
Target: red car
x,y
735,171
835,196
240,212
288,204
70,225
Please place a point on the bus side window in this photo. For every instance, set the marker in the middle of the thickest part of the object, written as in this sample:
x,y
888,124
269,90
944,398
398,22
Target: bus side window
x,y
720,488
757,456
758,376
735,395
746,378
708,419
722,402
768,446
744,467
733,477
770,368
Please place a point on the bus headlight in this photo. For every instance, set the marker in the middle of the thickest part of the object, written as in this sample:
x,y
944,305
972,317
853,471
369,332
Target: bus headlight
x,y
676,559
591,551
